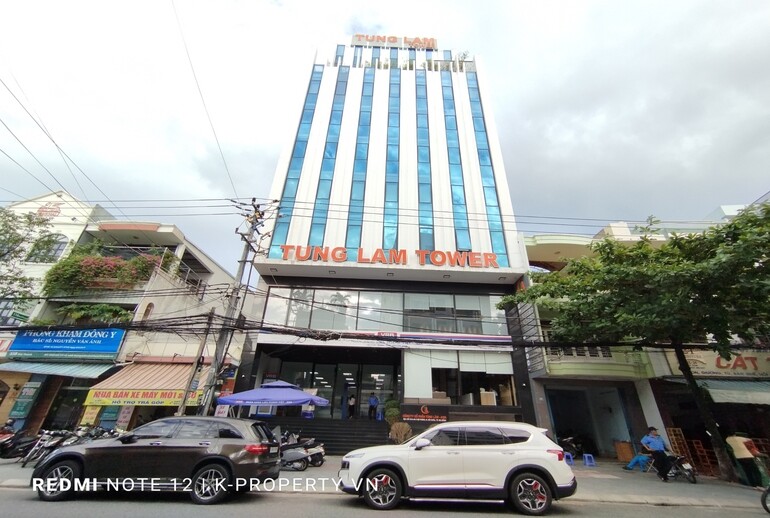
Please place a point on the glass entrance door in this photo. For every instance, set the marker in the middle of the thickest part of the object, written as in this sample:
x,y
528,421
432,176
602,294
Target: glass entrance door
x,y
323,382
345,386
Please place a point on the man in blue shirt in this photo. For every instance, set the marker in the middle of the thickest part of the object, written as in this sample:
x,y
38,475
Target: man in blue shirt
x,y
373,404
654,444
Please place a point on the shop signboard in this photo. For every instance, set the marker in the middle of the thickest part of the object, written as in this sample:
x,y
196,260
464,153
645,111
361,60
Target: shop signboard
x,y
110,413
64,344
25,400
122,397
90,413
124,417
708,364
425,413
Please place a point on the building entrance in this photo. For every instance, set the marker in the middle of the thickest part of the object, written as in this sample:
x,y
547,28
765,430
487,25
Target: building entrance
x,y
337,382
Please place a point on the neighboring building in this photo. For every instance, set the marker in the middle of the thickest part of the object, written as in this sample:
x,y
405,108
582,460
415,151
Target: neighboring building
x,y
612,394
57,379
394,240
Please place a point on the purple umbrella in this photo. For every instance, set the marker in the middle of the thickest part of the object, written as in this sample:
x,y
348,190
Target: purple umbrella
x,y
277,393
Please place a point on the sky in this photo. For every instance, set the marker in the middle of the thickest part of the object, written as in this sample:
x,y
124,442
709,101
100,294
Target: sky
x,y
606,111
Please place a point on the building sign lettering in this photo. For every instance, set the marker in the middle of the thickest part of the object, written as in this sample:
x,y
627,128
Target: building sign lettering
x,y
708,364
371,40
379,256
111,397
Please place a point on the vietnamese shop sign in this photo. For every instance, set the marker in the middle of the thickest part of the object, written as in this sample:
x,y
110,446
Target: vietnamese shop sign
x,y
67,344
25,400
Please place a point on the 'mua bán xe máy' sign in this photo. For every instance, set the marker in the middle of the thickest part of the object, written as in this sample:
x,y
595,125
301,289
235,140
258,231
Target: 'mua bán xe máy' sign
x,y
126,397
422,257
62,344
371,40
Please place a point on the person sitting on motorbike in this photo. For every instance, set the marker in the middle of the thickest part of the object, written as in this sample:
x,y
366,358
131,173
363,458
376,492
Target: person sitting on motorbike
x,y
8,427
654,444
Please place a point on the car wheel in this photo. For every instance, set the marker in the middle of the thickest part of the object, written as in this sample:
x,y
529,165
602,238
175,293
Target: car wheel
x,y
59,481
299,465
530,494
382,489
210,484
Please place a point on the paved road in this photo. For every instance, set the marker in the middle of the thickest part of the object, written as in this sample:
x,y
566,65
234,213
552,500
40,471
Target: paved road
x,y
605,483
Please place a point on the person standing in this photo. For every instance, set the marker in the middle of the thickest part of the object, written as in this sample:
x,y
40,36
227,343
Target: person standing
x,y
351,406
744,451
374,402
654,444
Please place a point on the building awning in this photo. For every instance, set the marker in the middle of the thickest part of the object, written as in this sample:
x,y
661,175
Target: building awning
x,y
148,384
72,370
735,391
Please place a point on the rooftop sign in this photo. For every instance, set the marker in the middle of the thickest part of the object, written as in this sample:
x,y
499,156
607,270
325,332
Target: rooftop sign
x,y
370,40
380,256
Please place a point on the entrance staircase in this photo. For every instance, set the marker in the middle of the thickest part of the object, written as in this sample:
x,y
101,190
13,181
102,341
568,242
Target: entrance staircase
x,y
339,436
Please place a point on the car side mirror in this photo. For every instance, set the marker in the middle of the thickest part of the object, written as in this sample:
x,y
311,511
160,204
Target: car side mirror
x,y
421,443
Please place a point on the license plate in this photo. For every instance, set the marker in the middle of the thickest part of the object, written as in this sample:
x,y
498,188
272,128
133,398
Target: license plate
x,y
274,449
686,466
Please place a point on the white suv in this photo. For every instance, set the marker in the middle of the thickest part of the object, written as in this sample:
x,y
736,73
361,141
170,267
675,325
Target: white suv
x,y
493,460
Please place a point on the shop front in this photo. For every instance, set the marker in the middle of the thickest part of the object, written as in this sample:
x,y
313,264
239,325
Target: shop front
x,y
53,371
141,392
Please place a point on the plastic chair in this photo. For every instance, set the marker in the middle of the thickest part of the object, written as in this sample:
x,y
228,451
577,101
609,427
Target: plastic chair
x,y
568,458
588,460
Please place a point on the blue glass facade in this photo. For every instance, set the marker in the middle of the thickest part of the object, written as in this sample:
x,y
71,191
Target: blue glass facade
x,y
494,218
424,183
390,215
459,205
360,166
289,196
324,191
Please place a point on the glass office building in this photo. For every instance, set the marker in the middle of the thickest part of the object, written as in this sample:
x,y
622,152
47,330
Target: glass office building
x,y
395,237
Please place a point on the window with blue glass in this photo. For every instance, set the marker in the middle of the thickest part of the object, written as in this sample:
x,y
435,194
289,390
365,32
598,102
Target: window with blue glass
x,y
323,192
339,56
393,58
424,193
494,217
456,180
358,188
289,195
390,214
375,57
357,50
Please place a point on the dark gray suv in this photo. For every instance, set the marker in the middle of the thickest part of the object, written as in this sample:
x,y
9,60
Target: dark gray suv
x,y
208,457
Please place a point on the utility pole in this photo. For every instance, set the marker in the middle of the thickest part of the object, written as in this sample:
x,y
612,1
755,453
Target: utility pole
x,y
255,220
197,365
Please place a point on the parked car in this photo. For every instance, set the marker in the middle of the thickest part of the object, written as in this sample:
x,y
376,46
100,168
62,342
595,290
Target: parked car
x,y
207,456
494,460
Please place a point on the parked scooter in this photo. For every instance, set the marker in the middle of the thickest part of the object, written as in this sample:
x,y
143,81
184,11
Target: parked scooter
x,y
48,442
295,458
680,468
18,445
572,446
316,451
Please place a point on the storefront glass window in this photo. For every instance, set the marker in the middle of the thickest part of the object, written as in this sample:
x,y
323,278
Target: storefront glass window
x,y
380,311
334,310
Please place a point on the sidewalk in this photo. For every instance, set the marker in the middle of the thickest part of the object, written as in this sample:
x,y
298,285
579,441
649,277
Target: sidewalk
x,y
606,482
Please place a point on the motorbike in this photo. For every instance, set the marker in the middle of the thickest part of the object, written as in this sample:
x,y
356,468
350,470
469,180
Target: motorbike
x,y
49,440
571,445
316,451
295,458
681,469
18,445
766,499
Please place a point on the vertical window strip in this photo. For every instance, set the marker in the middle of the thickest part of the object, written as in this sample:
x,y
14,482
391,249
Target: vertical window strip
x,y
390,213
424,191
360,165
357,56
289,195
459,205
492,202
340,55
323,192
375,57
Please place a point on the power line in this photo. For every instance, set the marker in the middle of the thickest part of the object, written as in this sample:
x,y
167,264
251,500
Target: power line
x,y
203,100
